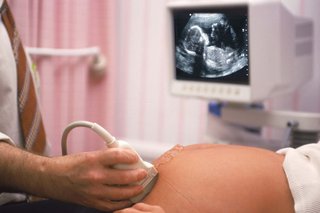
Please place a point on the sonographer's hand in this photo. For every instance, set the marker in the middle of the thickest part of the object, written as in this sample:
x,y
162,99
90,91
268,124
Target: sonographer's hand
x,y
89,179
142,208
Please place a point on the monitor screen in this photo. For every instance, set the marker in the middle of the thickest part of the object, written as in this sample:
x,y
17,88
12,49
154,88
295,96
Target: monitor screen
x,y
211,44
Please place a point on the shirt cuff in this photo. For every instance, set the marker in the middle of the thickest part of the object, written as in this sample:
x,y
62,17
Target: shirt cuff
x,y
6,139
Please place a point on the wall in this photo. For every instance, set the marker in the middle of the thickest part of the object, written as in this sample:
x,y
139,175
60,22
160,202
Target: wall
x,y
133,99
68,91
148,112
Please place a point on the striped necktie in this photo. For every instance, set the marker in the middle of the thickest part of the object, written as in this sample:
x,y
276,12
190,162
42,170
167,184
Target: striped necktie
x,y
29,113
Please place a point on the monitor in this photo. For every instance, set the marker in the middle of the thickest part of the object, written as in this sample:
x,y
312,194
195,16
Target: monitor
x,y
238,51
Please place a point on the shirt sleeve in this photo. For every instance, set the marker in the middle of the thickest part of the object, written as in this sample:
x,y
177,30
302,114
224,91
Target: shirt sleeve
x,y
7,139
302,168
9,197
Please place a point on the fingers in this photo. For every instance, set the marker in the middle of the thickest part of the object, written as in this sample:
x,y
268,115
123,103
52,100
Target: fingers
x,y
142,207
112,176
124,177
121,192
106,205
91,177
111,197
129,210
118,156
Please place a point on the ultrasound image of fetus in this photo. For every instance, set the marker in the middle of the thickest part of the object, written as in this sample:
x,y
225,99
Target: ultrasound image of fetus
x,y
209,47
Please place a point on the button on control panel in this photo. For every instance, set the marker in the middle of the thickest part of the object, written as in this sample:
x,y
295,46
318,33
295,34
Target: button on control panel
x,y
225,92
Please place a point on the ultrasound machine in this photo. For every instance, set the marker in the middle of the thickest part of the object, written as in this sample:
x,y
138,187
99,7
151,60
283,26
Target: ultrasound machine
x,y
243,52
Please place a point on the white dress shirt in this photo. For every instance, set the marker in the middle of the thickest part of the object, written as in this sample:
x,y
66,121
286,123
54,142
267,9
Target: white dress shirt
x,y
10,130
9,116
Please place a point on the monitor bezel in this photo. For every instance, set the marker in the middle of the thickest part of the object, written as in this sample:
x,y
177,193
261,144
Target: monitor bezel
x,y
211,89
